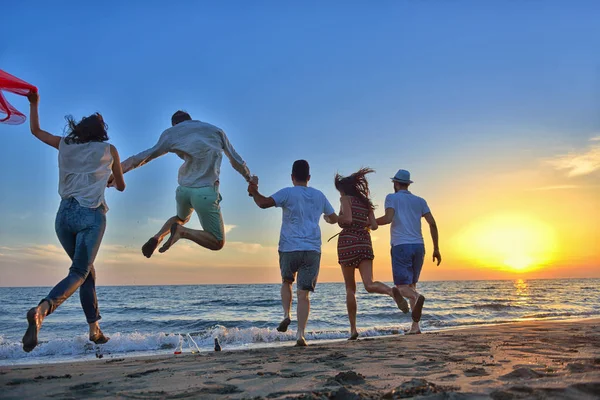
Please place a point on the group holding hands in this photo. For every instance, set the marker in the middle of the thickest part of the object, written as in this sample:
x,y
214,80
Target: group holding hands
x,y
88,164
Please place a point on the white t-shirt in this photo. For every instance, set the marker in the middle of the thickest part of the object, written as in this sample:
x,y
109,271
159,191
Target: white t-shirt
x,y
408,211
302,209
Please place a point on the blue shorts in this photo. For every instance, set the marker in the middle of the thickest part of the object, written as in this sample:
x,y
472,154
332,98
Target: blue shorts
x,y
407,262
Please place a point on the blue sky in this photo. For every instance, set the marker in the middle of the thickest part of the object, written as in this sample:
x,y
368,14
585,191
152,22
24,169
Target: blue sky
x,y
454,91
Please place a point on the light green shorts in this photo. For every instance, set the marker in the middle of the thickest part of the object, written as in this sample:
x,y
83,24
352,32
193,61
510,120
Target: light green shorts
x,y
205,200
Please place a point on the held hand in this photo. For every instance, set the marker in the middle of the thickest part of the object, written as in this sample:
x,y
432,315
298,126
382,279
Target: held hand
x,y
111,181
436,254
252,185
252,188
33,98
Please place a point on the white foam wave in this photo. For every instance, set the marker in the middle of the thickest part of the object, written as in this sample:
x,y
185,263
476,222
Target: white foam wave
x,y
80,346
124,343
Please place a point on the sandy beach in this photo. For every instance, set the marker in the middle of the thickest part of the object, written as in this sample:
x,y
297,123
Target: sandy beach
x,y
523,360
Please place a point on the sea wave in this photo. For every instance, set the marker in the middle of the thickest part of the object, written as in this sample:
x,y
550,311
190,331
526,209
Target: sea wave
x,y
128,343
494,306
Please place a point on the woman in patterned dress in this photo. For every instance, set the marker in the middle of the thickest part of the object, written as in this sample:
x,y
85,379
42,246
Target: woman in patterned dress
x,y
355,249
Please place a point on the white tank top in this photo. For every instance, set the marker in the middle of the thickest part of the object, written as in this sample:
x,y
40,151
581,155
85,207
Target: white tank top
x,y
84,170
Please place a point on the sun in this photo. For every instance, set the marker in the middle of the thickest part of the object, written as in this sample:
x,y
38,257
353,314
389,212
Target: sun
x,y
508,241
519,262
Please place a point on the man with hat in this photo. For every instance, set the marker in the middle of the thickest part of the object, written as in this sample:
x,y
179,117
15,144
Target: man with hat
x,y
404,211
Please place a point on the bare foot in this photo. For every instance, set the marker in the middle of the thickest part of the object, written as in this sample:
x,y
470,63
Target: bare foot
x,y
99,338
416,312
354,336
415,329
400,300
173,238
149,247
30,339
301,342
283,325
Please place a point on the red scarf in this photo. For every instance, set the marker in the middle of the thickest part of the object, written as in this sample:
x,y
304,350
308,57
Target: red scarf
x,y
15,85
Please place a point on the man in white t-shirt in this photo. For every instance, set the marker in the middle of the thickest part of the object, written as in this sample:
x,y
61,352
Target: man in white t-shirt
x,y
299,241
404,211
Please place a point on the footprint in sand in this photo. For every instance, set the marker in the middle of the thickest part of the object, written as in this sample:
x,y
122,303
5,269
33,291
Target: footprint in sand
x,y
521,374
475,371
449,377
348,377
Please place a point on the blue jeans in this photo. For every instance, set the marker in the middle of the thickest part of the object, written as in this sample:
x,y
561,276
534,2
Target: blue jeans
x,y
79,230
407,262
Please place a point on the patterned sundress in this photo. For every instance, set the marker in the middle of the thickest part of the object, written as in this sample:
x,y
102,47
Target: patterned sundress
x,y
354,242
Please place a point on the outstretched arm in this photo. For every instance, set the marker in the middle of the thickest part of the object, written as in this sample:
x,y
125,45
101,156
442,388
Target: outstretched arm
x,y
160,148
34,122
373,221
117,172
260,200
434,236
234,158
387,218
331,218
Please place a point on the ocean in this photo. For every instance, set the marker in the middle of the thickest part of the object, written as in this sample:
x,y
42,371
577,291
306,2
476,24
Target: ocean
x,y
144,320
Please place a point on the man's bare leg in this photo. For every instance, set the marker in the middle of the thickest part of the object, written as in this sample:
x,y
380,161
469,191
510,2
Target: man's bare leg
x,y
150,246
303,311
366,272
203,238
286,303
415,328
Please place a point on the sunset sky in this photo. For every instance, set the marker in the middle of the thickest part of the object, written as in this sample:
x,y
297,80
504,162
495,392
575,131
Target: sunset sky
x,y
493,106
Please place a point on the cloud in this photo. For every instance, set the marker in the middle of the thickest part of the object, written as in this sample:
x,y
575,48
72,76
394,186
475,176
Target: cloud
x,y
557,187
580,163
249,248
229,228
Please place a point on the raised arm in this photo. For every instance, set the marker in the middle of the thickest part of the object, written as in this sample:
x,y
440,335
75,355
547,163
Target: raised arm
x,y
387,218
34,122
117,172
434,236
234,158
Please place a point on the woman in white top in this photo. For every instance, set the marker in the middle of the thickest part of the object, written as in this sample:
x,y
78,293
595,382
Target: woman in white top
x,y
85,161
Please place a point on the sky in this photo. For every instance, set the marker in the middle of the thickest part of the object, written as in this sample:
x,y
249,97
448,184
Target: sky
x,y
494,108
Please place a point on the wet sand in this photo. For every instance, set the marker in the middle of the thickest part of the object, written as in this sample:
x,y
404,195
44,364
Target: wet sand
x,y
528,360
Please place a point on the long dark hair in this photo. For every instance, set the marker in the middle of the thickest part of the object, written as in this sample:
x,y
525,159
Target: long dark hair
x,y
356,185
89,129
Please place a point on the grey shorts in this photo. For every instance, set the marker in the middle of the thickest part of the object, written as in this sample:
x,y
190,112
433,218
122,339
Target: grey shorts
x,y
304,263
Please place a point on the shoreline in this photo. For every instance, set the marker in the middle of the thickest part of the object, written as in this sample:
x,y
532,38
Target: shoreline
x,y
561,356
90,357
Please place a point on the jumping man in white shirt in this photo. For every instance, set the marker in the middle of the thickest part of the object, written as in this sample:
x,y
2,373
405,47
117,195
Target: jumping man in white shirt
x,y
404,211
201,146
